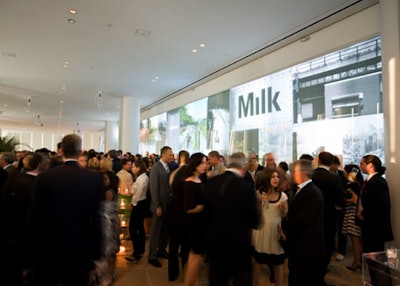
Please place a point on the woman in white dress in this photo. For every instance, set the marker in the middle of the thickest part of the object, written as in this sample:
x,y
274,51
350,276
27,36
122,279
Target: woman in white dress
x,y
267,248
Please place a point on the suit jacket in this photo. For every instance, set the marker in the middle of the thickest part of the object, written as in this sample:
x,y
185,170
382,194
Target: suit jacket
x,y
159,187
305,234
15,205
65,217
329,184
231,211
11,170
375,200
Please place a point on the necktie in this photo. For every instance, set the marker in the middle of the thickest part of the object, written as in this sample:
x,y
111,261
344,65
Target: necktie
x,y
167,168
297,191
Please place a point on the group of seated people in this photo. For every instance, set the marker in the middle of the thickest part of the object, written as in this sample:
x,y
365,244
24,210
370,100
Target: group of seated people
x,y
235,216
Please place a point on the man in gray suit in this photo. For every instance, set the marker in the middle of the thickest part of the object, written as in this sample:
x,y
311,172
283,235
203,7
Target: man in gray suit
x,y
159,190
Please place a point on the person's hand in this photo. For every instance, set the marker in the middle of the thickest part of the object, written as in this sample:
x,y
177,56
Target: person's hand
x,y
159,211
263,196
281,233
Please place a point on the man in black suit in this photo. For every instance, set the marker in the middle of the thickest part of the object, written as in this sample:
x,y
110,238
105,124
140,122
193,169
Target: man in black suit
x,y
231,211
331,189
6,162
65,220
176,219
14,207
305,235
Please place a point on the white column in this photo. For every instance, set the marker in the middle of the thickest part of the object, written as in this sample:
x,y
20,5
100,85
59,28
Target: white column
x,y
391,103
111,136
129,123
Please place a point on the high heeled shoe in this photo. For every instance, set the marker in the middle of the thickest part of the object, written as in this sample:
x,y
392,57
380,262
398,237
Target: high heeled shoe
x,y
353,268
132,259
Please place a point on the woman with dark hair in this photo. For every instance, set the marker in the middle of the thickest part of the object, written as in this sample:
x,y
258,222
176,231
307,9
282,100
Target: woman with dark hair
x,y
138,208
267,248
193,204
374,206
354,182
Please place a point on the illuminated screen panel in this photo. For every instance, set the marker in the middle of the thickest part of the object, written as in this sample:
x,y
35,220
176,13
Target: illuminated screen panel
x,y
331,103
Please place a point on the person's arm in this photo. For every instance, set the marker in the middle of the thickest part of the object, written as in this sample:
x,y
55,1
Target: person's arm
x,y
155,191
140,187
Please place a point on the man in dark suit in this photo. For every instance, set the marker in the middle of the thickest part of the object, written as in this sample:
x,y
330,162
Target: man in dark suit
x,y
305,234
13,211
6,162
159,190
65,220
231,211
176,220
331,189
373,210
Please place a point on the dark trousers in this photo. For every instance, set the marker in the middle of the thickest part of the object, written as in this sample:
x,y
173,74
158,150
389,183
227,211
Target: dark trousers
x,y
11,264
342,238
226,266
158,235
136,229
177,238
306,273
71,274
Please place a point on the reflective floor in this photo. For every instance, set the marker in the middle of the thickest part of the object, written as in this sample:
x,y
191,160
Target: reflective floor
x,y
144,274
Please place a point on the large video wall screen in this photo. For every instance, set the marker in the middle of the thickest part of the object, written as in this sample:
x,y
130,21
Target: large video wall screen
x,y
331,103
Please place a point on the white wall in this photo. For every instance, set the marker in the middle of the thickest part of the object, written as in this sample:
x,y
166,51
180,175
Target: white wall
x,y
47,138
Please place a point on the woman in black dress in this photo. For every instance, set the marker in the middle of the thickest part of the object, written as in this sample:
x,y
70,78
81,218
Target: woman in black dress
x,y
193,204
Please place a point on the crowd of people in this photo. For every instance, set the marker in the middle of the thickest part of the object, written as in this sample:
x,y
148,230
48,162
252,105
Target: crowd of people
x,y
60,214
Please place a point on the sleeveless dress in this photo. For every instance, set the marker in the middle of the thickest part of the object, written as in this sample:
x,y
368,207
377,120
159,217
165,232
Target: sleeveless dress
x,y
350,214
267,248
194,223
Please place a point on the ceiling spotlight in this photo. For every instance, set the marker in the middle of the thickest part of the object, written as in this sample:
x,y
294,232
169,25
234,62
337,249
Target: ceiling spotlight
x,y
63,87
156,77
194,51
73,11
71,21
202,45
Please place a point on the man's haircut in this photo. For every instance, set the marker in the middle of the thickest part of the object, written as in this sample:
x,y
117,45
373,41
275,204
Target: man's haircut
x,y
31,161
237,160
164,150
71,146
214,154
304,166
326,158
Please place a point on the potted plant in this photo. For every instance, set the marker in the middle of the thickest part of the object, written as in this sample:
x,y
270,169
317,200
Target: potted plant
x,y
8,144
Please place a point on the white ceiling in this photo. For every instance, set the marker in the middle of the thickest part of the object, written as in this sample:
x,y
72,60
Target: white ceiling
x,y
106,55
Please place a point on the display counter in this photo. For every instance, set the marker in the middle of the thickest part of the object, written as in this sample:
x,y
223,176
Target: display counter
x,y
381,268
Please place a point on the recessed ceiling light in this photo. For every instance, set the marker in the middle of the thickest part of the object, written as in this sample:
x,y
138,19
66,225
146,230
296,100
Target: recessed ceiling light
x,y
142,33
71,21
73,11
63,87
194,51
202,45
153,80
156,77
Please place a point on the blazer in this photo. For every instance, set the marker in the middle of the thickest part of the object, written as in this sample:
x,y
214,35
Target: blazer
x,y
375,200
159,187
65,216
305,233
332,192
231,211
15,205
